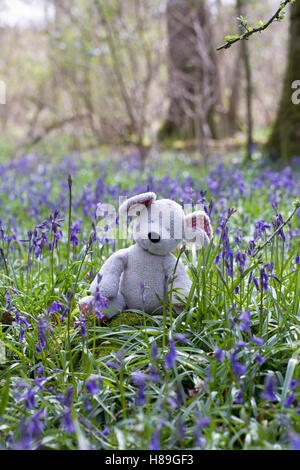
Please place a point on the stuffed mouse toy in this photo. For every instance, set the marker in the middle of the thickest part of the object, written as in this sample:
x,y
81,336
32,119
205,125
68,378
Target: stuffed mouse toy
x,y
135,277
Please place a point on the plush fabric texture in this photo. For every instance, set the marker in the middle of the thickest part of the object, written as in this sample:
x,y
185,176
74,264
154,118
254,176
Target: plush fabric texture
x,y
138,276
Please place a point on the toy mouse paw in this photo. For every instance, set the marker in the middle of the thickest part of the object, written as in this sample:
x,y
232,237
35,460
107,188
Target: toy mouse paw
x,y
86,307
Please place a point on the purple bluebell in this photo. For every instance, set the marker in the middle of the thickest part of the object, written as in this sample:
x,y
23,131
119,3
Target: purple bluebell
x,y
239,397
154,375
182,338
139,379
81,323
86,404
257,340
264,280
237,368
260,359
171,356
113,365
94,384
56,307
155,441
295,441
30,402
270,388
173,403
292,384
219,355
277,222
244,324
289,400
44,328
154,351
100,304
203,422
67,421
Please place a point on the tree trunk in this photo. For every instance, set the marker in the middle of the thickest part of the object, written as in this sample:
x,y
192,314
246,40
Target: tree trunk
x,y
284,142
232,114
242,11
194,88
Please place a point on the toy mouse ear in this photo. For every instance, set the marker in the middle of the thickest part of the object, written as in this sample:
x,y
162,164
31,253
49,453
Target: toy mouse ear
x,y
198,229
129,207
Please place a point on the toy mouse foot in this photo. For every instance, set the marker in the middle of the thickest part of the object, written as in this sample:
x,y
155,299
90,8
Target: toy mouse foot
x,y
86,308
85,305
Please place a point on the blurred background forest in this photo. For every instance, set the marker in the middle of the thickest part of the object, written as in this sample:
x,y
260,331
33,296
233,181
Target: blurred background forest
x,y
145,74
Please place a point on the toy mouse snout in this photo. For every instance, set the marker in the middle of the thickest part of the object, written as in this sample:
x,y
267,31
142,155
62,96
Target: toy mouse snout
x,y
154,237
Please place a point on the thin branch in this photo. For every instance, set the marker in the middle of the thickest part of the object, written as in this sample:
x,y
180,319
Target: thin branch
x,y
250,32
261,247
50,128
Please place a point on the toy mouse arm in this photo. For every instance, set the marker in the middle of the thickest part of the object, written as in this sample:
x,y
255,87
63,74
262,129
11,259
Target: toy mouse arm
x,y
182,282
110,275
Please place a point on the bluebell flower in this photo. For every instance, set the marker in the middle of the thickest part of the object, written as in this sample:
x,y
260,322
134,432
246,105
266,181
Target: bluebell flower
x,y
36,423
81,323
154,351
113,365
296,442
292,384
257,340
172,355
264,280
244,321
30,402
94,384
67,421
239,397
23,323
155,441
154,376
56,307
182,338
260,359
237,368
86,404
270,388
172,402
44,327
139,378
219,355
277,222
203,422
40,370
289,401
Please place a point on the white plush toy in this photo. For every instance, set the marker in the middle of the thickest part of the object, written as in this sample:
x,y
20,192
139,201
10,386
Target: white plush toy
x,y
135,277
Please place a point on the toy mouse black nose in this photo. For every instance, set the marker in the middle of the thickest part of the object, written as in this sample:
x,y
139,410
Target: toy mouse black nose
x,y
153,237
